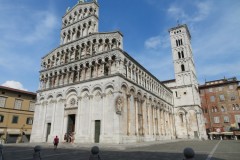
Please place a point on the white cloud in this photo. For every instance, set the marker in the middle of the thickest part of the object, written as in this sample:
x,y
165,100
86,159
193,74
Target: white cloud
x,y
153,42
157,42
179,12
24,24
45,24
203,10
14,84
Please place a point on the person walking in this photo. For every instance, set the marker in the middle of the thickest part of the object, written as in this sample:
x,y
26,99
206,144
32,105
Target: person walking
x,y
55,142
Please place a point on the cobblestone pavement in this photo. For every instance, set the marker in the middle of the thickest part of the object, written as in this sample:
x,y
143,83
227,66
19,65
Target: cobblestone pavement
x,y
164,150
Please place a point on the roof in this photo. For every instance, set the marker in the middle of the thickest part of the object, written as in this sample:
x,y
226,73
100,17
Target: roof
x,y
169,81
219,82
180,26
17,90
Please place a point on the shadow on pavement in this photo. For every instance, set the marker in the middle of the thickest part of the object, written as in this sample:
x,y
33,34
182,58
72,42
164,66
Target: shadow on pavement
x,y
48,153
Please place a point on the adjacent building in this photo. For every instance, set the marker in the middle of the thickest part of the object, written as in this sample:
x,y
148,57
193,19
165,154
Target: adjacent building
x,y
220,102
91,88
16,114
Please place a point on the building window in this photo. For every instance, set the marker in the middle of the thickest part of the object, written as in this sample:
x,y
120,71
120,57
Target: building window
x,y
212,99
231,87
206,111
182,67
237,107
215,109
216,119
1,118
182,54
226,119
221,97
205,120
181,117
179,55
232,96
179,42
210,89
29,121
222,109
18,104
15,119
176,93
2,101
31,106
233,107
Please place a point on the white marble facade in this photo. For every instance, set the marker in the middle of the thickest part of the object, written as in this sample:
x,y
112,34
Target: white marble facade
x,y
90,86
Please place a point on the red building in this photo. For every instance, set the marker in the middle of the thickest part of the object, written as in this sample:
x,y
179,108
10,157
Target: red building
x,y
220,102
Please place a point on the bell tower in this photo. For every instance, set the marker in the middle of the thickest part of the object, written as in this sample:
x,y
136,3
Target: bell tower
x,y
185,73
189,117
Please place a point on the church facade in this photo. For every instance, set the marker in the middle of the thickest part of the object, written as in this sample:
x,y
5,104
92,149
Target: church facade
x,y
91,87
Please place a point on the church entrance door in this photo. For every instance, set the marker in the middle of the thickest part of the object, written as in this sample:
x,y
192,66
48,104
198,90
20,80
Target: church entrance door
x,y
97,130
71,123
48,131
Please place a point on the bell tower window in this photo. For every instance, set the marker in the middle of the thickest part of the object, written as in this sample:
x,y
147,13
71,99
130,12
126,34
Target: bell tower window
x,y
183,67
182,54
179,55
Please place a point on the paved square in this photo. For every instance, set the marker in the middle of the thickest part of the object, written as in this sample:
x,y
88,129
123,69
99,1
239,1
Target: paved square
x,y
205,150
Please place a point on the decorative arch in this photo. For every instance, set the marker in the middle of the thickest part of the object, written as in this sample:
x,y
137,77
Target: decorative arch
x,y
71,90
96,87
109,88
85,88
132,90
59,95
41,98
49,96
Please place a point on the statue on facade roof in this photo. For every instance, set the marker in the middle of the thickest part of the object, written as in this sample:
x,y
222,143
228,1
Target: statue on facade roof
x,y
68,9
81,1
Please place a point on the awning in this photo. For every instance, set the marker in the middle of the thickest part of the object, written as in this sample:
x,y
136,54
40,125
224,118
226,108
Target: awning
x,y
13,131
27,132
217,133
1,131
221,133
227,133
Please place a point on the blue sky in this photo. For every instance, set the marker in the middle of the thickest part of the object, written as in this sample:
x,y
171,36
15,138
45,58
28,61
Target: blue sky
x,y
30,29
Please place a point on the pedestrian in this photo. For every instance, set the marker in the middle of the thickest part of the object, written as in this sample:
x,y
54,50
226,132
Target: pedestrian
x,y
95,153
189,154
1,152
65,137
70,137
55,142
37,153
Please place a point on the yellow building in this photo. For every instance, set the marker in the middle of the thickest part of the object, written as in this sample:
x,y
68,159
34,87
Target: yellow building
x,y
16,114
